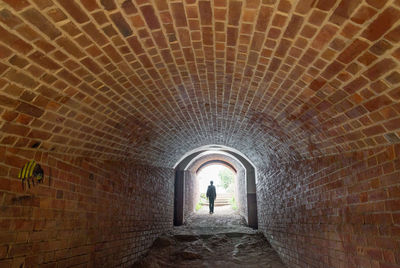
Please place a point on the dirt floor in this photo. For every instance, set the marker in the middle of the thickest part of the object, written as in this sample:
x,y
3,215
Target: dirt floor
x,y
217,240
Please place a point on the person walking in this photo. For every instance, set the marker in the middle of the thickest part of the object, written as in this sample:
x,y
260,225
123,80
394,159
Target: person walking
x,y
211,195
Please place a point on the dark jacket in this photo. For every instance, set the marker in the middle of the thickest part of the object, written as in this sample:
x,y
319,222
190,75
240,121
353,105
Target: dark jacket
x,y
211,193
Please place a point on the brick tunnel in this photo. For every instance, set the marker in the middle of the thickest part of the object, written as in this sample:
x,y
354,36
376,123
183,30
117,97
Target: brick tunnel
x,y
106,97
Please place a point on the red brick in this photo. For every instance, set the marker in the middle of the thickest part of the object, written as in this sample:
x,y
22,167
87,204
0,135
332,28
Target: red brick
x,y
379,69
326,5
380,47
304,6
11,128
367,58
112,53
395,93
284,6
44,61
178,12
324,36
294,26
344,11
377,103
4,52
96,35
20,78
232,34
18,61
352,51
129,7
350,30
74,10
234,12
333,69
375,130
264,16
283,47
363,14
381,24
377,3
91,65
355,85
17,4
90,5
121,24
375,254
393,78
150,17
29,109
41,22
392,124
70,47
69,77
394,35
14,42
9,19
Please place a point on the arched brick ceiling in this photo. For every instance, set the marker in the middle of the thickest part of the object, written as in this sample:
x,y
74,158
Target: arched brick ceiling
x,y
215,159
150,80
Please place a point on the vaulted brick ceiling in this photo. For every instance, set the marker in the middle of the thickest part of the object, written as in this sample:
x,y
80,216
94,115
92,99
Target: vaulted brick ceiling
x,y
150,80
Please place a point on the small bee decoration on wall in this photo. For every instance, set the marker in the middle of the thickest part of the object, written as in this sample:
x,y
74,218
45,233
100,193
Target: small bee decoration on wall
x,y
30,173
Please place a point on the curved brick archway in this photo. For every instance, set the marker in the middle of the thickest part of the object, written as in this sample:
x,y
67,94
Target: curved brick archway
x,y
185,178
107,95
214,162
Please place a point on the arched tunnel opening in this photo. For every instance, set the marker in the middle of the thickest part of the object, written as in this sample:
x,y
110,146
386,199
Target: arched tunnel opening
x,y
186,185
108,106
225,178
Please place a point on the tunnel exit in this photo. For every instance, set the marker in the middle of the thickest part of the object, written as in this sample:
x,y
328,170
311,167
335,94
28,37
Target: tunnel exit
x,y
188,190
225,181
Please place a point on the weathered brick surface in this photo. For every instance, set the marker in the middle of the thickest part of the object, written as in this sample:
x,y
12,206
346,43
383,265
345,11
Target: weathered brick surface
x,y
333,211
150,80
87,212
175,71
192,193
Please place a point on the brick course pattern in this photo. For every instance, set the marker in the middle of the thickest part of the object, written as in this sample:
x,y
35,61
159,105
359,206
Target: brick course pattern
x,y
114,79
334,211
88,213
192,193
303,81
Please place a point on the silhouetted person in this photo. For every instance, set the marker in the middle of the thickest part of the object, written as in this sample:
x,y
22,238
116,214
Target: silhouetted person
x,y
211,195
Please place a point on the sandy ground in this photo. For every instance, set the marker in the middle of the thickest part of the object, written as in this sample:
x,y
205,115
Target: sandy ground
x,y
212,240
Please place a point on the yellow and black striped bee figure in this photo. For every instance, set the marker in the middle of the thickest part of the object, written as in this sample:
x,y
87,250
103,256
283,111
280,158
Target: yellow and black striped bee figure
x,y
30,173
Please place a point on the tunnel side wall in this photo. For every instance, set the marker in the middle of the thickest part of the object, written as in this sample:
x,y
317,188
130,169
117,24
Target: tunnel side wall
x,y
192,195
93,213
336,211
241,193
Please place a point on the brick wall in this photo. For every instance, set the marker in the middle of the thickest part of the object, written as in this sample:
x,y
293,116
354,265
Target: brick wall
x,y
192,194
241,193
96,213
152,80
335,211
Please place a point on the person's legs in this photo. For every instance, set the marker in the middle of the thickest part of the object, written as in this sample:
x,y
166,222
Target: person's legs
x,y
212,205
